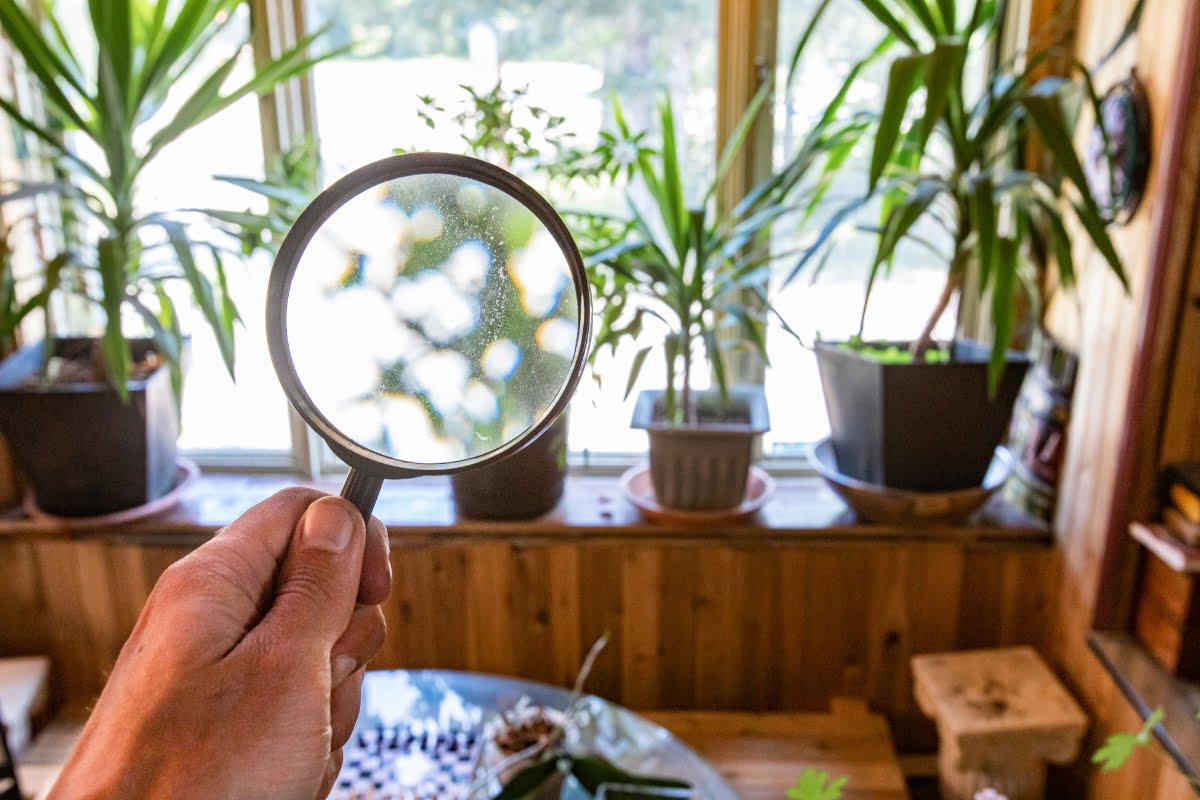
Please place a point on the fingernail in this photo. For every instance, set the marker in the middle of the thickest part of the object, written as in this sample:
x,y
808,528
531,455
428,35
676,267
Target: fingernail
x,y
328,526
342,667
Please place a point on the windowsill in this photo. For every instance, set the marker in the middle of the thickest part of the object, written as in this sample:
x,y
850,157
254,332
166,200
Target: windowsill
x,y
592,506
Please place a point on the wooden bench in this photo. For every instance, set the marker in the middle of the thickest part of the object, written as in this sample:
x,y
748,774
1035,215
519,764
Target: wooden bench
x,y
762,755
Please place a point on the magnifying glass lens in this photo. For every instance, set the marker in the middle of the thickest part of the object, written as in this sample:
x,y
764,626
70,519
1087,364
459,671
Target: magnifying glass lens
x,y
433,318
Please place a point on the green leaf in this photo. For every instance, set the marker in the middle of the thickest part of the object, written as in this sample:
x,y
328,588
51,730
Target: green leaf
x,y
902,81
1007,254
282,193
673,203
714,358
51,140
1120,746
734,144
1061,242
592,772
813,20
905,215
816,785
1131,27
202,291
879,9
113,270
635,370
944,66
1097,231
835,221
1044,110
983,218
528,779
42,61
948,9
921,11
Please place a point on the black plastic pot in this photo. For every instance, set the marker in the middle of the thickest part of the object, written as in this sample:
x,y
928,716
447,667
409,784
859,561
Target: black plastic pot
x,y
83,450
921,427
525,485
703,466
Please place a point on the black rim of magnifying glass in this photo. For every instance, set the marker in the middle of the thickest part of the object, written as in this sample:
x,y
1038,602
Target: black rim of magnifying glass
x,y
310,221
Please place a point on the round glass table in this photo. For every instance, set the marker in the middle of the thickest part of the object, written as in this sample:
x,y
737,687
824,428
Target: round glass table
x,y
419,735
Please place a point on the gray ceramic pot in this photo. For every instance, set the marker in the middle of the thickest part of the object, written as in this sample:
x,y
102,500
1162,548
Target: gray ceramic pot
x,y
703,466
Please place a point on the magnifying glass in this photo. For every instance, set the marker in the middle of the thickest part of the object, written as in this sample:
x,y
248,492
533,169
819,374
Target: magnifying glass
x,y
427,314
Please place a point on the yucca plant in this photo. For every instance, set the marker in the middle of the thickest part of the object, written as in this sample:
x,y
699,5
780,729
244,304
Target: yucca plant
x,y
695,268
951,160
145,51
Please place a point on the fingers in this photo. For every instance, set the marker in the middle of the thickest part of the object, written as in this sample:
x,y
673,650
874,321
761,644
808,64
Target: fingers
x,y
376,582
317,583
332,767
221,590
360,643
344,702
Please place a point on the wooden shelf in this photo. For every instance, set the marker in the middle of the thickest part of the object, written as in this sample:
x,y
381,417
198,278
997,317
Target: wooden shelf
x,y
1165,547
1147,686
591,506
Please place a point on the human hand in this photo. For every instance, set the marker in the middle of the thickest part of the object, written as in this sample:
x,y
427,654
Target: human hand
x,y
242,676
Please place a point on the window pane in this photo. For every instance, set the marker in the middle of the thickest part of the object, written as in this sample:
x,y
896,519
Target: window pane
x,y
570,55
217,413
831,306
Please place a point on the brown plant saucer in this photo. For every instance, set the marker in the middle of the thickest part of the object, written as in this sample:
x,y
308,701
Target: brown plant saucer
x,y
638,490
186,473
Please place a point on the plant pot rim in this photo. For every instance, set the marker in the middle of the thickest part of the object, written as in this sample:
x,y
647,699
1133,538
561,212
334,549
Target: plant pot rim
x,y
15,385
834,347
759,421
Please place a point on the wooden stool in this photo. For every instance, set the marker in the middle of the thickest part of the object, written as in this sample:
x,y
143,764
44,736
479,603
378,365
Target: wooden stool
x,y
1001,715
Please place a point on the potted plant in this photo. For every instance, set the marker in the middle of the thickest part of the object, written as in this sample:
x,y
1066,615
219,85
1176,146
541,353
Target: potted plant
x,y
917,415
698,274
488,123
93,422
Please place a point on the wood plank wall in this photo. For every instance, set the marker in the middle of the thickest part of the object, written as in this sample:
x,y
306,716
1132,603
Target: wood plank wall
x,y
1109,464
783,623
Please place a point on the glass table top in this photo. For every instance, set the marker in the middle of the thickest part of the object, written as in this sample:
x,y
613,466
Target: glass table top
x,y
419,735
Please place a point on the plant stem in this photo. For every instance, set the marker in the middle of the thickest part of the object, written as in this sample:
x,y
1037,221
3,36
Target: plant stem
x,y
924,342
687,380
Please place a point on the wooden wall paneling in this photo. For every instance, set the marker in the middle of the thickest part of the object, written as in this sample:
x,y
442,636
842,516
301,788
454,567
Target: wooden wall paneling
x,y
770,623
603,605
1125,345
640,631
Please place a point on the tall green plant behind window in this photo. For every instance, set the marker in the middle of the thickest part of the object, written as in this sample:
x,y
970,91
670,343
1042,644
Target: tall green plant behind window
x,y
126,105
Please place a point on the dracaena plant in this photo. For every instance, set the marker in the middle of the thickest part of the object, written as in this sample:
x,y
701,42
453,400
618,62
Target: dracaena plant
x,y
117,105
951,160
696,269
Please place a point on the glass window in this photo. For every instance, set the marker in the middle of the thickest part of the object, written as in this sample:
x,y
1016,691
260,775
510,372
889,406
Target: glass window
x,y
830,307
181,177
569,56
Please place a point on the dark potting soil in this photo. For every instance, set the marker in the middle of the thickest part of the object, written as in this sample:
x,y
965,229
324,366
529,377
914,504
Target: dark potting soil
x,y
86,366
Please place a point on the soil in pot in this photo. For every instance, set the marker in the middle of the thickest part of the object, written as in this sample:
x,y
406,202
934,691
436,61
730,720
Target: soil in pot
x,y
703,465
917,426
84,451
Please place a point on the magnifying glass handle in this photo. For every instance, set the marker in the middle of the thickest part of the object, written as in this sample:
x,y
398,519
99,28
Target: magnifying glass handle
x,y
362,489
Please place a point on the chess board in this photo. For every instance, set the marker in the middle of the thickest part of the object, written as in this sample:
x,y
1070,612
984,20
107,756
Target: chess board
x,y
417,761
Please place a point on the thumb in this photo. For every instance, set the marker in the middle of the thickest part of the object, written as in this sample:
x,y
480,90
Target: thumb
x,y
318,580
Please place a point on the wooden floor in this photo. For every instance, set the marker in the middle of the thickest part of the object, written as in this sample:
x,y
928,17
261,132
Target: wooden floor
x,y
762,755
